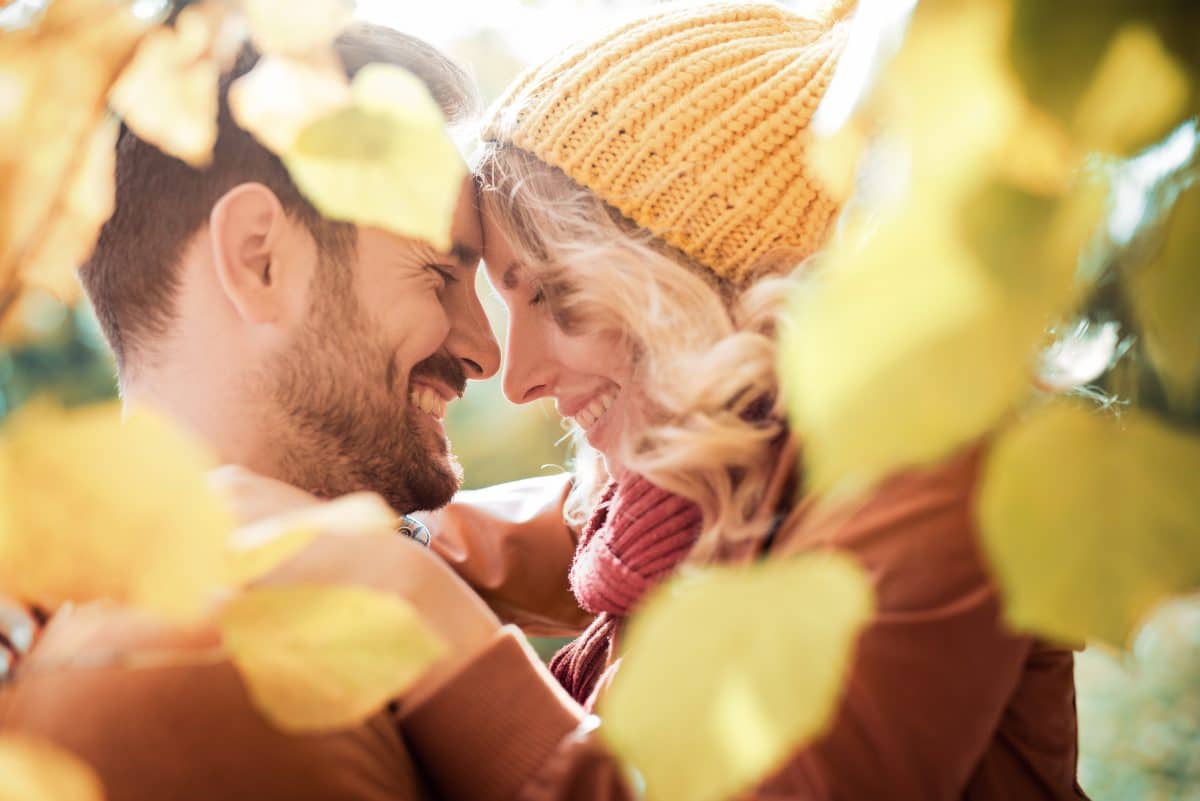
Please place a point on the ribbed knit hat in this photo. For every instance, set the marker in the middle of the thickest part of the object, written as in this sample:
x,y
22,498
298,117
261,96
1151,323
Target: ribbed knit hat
x,y
690,122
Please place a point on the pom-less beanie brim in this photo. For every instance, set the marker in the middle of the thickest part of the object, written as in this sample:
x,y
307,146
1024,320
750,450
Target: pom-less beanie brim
x,y
692,123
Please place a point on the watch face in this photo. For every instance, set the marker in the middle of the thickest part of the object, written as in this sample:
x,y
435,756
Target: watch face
x,y
413,529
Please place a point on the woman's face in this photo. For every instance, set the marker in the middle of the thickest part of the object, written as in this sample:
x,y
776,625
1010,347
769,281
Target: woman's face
x,y
589,375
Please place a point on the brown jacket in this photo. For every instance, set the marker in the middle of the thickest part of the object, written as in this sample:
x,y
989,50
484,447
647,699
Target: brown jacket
x,y
941,703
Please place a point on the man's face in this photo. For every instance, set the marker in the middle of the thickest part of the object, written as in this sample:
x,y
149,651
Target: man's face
x,y
392,337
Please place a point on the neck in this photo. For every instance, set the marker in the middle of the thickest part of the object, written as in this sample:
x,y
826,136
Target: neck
x,y
209,407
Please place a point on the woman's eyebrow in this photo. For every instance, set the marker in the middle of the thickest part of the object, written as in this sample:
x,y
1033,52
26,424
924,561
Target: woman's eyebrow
x,y
509,280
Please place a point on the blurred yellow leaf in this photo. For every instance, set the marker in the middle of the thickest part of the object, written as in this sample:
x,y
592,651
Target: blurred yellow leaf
x,y
1039,155
734,699
277,99
288,28
168,94
921,328
55,77
1137,94
383,161
85,203
96,508
1088,520
1031,245
951,94
258,547
907,344
835,159
34,770
319,658
866,358
1165,297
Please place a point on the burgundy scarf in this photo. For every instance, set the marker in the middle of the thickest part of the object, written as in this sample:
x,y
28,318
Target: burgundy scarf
x,y
637,536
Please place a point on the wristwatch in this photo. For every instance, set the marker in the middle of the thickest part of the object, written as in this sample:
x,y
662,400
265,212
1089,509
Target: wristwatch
x,y
413,529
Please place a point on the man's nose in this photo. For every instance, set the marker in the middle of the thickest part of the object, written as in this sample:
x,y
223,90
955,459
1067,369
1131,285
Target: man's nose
x,y
471,340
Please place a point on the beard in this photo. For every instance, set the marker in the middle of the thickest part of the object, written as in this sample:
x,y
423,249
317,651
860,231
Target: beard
x,y
346,426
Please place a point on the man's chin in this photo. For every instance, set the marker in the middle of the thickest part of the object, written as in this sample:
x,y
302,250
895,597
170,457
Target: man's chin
x,y
450,474
426,483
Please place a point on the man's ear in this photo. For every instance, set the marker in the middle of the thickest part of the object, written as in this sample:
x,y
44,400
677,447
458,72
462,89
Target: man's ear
x,y
247,226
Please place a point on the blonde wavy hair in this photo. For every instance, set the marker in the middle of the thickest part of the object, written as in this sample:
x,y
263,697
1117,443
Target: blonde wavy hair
x,y
704,350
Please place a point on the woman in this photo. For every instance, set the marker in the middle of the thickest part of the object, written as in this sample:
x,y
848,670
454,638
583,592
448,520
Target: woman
x,y
647,205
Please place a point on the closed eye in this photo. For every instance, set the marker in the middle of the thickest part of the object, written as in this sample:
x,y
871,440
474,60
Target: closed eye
x,y
446,272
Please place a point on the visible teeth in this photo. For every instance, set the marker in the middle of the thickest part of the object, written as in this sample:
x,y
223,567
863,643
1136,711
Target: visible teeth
x,y
595,410
428,401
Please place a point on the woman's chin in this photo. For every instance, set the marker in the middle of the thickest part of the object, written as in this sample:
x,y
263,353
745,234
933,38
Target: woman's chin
x,y
603,438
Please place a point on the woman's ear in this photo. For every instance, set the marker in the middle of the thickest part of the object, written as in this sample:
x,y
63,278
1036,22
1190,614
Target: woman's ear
x,y
247,226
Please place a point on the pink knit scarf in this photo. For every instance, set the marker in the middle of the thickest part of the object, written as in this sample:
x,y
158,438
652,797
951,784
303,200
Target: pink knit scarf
x,y
637,536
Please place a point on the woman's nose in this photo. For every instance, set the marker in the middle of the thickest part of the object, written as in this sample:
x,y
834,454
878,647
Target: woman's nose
x,y
528,368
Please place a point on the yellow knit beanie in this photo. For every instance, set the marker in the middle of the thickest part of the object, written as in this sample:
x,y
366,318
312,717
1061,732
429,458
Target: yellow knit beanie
x,y
690,122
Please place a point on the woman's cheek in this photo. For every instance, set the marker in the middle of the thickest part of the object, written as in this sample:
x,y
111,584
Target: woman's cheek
x,y
595,354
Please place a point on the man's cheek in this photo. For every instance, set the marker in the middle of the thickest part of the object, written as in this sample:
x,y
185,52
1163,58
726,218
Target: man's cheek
x,y
425,334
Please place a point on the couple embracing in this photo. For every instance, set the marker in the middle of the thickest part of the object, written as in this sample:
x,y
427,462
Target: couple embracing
x,y
643,204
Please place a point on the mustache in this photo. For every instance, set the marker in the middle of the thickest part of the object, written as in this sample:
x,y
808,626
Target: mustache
x,y
444,368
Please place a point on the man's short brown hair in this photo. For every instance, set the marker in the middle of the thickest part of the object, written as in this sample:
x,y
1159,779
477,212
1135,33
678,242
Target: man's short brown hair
x,y
132,277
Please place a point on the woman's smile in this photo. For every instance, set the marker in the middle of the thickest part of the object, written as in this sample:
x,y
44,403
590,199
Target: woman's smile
x,y
591,410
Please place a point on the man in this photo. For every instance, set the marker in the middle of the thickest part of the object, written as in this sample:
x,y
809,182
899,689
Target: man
x,y
321,355
305,349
